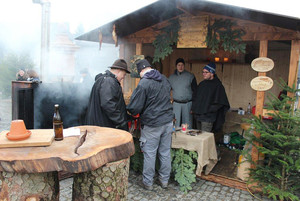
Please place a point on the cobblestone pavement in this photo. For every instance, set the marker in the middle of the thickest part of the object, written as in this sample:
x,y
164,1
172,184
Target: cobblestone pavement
x,y
202,190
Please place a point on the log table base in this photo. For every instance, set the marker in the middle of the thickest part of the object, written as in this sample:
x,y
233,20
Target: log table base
x,y
29,186
109,182
99,159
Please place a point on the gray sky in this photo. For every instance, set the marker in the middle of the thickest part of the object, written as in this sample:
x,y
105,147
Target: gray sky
x,y
20,20
287,7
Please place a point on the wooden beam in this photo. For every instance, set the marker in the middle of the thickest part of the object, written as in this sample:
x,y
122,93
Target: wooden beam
x,y
263,48
138,48
122,51
122,56
138,51
263,51
231,182
260,97
294,62
254,31
251,36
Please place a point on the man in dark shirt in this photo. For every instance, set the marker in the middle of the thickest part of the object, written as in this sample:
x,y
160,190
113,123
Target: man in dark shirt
x,y
106,105
151,99
210,102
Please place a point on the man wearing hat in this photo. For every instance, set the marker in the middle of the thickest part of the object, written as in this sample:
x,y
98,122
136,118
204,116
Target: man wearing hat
x,y
151,99
183,85
106,104
210,102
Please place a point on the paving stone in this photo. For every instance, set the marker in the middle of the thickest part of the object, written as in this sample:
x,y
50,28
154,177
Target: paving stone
x,y
217,189
227,199
222,197
210,183
246,196
215,193
236,193
235,198
225,188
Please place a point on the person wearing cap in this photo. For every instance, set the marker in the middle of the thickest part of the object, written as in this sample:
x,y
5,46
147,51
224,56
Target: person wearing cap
x,y
210,102
106,106
151,99
183,85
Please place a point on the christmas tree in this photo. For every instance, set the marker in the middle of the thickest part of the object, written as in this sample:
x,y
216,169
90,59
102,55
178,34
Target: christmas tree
x,y
278,172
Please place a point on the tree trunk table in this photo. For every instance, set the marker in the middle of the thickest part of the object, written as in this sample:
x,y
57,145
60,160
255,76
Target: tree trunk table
x,y
101,166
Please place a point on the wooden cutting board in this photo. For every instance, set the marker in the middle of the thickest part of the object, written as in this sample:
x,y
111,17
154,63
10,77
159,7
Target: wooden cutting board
x,y
38,137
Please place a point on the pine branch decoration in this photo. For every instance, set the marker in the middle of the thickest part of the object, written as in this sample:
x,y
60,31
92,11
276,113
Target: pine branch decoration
x,y
184,168
165,40
221,33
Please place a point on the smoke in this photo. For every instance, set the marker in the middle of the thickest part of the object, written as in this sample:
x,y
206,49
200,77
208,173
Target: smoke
x,y
62,79
72,98
20,30
20,23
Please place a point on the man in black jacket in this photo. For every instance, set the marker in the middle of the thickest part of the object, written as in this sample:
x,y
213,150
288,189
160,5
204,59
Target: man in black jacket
x,y
210,102
151,99
106,105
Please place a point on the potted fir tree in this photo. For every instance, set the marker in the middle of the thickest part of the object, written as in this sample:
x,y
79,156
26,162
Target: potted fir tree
x,y
278,173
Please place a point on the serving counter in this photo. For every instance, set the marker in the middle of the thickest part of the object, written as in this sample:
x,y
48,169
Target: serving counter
x,y
203,144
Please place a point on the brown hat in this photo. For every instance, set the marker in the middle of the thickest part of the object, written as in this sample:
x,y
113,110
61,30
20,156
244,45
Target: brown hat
x,y
120,64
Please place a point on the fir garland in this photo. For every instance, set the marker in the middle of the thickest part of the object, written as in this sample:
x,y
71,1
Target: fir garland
x,y
165,40
184,168
221,33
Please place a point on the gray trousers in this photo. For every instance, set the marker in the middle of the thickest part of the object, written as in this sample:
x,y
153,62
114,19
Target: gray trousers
x,y
156,140
204,126
183,114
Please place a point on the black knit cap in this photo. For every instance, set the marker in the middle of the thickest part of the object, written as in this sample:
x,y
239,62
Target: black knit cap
x,y
179,60
141,64
120,64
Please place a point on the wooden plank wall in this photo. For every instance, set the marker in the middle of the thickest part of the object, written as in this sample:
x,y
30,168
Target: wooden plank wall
x,y
235,77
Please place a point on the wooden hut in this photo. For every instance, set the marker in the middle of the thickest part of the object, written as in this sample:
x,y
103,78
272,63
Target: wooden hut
x,y
266,35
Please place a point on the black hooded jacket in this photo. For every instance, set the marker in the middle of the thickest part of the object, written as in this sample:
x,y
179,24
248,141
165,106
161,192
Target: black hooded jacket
x,y
151,99
210,102
106,105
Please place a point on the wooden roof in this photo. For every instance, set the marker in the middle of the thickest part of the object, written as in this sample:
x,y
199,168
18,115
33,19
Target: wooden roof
x,y
167,9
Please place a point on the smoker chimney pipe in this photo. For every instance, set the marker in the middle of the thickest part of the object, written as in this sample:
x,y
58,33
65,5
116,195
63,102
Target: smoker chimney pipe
x,y
45,34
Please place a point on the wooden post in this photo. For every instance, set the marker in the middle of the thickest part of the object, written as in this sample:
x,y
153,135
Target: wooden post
x,y
122,56
294,62
138,51
260,95
122,51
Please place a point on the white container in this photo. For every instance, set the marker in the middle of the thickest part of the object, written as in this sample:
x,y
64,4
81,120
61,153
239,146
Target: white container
x,y
241,112
226,139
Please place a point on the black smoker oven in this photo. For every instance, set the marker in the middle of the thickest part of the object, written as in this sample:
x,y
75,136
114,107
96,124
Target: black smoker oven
x,y
34,103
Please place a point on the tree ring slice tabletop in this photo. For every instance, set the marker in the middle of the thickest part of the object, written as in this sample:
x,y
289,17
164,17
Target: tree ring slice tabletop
x,y
102,145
